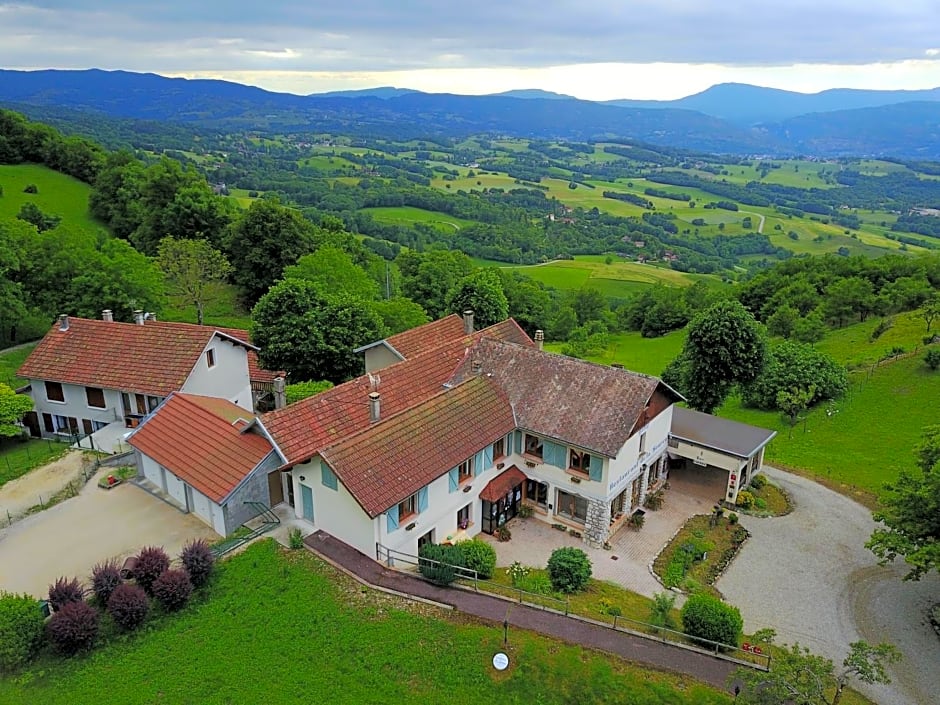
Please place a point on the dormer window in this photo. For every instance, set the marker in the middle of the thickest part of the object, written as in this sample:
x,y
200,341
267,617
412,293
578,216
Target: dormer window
x,y
210,358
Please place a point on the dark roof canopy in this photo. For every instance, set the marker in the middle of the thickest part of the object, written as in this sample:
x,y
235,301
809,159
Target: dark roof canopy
x,y
724,435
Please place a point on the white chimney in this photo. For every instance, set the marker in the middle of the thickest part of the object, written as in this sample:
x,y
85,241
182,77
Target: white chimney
x,y
150,317
539,339
63,322
107,315
468,322
374,407
280,394
139,317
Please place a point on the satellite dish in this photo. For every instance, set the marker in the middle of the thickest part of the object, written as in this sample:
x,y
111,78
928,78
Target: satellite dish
x,y
500,661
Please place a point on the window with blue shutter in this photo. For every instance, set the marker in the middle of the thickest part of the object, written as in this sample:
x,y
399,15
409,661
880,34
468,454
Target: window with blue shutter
x,y
480,464
422,499
453,483
392,518
555,454
596,468
517,441
487,458
328,477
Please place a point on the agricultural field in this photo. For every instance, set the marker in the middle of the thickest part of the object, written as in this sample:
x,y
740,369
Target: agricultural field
x,y
245,643
58,194
407,215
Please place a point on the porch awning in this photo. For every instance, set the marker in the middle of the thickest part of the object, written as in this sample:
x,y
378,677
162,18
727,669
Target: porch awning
x,y
500,485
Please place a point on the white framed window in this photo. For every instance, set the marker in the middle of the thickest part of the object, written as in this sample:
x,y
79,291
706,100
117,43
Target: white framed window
x,y
54,391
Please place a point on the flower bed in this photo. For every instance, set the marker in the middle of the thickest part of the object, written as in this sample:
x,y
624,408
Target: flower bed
x,y
699,553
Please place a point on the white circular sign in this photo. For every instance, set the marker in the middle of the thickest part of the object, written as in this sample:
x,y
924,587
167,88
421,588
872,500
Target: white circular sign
x,y
500,661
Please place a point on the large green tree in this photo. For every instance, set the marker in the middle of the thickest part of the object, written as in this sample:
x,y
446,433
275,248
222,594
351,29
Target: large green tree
x,y
267,238
12,408
725,346
310,335
194,271
796,366
482,293
428,277
910,512
333,270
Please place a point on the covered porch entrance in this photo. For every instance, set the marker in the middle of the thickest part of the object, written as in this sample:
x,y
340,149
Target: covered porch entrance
x,y
502,498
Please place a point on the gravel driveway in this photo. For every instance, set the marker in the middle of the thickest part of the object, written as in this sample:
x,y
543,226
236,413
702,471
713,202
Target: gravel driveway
x,y
809,576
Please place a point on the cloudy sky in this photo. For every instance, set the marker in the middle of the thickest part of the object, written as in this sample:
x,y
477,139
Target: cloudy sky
x,y
595,49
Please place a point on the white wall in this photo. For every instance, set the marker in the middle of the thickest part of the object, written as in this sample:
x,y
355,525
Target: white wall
x,y
75,404
378,357
227,379
150,469
628,464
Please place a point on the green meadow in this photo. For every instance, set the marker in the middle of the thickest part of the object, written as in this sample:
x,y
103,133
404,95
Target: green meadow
x,y
633,351
407,215
58,194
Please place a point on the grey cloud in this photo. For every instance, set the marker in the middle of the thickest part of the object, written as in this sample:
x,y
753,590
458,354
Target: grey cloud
x,y
375,35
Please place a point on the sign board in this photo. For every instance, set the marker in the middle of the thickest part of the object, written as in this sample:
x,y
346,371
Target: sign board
x,y
500,661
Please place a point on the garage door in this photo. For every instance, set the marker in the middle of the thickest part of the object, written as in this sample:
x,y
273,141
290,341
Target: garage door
x,y
176,488
201,506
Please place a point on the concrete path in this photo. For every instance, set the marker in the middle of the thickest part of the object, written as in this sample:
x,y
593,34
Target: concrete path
x,y
809,576
68,539
39,485
703,667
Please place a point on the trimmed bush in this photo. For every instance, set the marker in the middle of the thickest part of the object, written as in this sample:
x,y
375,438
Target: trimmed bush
x,y
569,569
21,630
152,562
745,499
446,560
198,560
932,358
172,589
129,606
758,482
478,555
63,591
105,579
707,617
73,628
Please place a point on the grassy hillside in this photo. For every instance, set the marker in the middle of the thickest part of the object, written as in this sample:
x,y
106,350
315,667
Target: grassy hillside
x,y
407,215
58,194
283,627
634,352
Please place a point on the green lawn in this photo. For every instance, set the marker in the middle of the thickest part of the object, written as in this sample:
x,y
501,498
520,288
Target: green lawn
x,y
58,194
283,627
634,352
10,361
19,457
225,311
407,215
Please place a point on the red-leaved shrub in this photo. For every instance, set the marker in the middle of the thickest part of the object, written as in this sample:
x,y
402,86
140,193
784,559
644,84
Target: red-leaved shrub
x,y
73,628
172,589
105,578
128,606
152,562
63,591
198,560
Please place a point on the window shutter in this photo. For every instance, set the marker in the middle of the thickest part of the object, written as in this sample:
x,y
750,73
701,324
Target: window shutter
x,y
517,440
554,454
596,468
452,482
487,458
479,463
422,499
392,517
328,477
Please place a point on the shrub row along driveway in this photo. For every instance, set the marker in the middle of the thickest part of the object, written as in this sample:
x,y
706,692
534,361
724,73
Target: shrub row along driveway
x,y
809,576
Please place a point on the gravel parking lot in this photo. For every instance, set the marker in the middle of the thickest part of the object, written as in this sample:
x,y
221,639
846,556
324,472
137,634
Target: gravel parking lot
x,y
809,576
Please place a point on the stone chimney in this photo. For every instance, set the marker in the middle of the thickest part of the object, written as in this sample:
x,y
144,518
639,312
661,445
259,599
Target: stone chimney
x,y
139,317
539,339
374,406
476,366
107,315
63,322
468,322
280,393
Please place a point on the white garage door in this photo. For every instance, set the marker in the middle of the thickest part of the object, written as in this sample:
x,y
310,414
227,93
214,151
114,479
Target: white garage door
x,y
176,488
201,506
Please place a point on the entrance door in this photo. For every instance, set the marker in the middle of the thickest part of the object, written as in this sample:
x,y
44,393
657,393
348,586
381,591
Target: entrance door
x,y
428,538
306,498
275,489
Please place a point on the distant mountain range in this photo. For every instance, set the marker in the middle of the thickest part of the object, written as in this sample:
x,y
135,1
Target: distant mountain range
x,y
731,118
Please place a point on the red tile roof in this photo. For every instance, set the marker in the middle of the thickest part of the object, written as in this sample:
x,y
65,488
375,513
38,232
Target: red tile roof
x,y
427,337
216,456
592,406
394,458
305,428
154,358
499,486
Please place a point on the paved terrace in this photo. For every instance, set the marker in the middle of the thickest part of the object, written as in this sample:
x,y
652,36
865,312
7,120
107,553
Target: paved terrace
x,y
703,667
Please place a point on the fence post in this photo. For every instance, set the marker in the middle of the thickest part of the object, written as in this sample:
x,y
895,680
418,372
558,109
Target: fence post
x,y
566,605
41,505
615,621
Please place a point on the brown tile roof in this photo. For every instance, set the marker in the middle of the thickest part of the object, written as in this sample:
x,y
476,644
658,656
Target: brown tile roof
x,y
427,337
394,458
154,358
499,486
216,455
584,404
724,435
305,428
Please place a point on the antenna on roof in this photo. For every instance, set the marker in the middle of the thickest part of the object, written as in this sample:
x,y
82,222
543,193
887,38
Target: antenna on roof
x,y
374,382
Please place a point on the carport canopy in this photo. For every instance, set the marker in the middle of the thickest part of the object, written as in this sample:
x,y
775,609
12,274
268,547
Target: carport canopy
x,y
709,440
